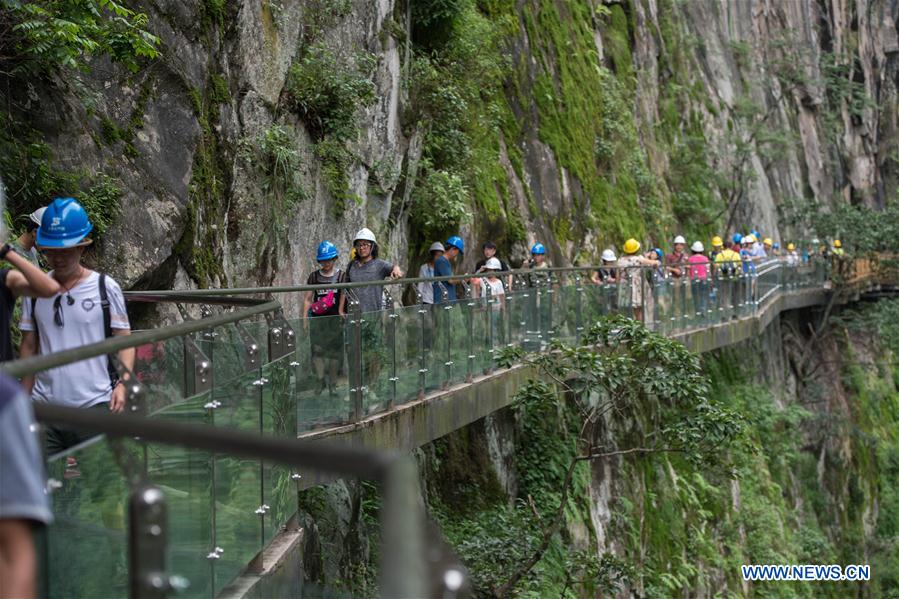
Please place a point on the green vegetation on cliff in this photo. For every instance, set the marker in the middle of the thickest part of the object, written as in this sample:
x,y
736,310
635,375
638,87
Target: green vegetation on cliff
x,y
810,479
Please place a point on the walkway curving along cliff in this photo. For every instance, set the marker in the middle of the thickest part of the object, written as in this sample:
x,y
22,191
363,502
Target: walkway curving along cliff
x,y
409,375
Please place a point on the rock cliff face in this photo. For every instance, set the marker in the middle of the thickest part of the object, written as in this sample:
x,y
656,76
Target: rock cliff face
x,y
575,123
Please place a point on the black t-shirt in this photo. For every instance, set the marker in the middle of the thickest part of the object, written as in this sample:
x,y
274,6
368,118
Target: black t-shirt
x,y
502,265
317,278
605,274
7,305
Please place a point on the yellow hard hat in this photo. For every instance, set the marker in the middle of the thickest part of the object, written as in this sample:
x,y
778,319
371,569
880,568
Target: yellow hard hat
x,y
837,243
717,241
791,246
631,246
768,241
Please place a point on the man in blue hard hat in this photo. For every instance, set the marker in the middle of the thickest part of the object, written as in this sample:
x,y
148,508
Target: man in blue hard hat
x,y
443,267
537,262
89,308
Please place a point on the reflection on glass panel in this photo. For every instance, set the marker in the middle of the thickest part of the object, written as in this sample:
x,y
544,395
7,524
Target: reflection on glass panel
x,y
87,544
322,377
279,418
375,363
238,482
409,342
159,366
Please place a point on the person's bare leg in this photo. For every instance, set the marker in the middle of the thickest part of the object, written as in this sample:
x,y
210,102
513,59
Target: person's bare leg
x,y
18,563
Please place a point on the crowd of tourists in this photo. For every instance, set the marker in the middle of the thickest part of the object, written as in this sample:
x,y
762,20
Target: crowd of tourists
x,y
73,305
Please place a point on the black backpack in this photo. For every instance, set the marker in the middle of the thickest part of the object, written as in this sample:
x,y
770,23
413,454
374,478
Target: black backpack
x,y
107,327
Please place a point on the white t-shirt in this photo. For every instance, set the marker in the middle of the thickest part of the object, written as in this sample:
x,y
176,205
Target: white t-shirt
x,y
80,384
496,287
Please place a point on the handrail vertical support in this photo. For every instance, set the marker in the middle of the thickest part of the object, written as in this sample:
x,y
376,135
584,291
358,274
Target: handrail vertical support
x,y
147,515
391,347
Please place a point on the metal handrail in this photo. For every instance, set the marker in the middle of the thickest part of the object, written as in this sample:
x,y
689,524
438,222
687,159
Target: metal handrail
x,y
210,293
34,364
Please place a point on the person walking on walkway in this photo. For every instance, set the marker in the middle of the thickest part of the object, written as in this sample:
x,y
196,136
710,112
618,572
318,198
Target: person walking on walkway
x,y
698,271
325,334
24,503
633,276
489,249
793,258
24,244
427,271
494,283
727,268
443,267
25,280
367,267
606,274
89,308
717,248
427,292
537,263
675,260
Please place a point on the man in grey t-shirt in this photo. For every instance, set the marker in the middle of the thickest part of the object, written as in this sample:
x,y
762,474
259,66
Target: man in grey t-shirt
x,y
23,501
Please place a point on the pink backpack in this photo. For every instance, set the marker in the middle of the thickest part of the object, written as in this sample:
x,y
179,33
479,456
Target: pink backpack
x,y
324,304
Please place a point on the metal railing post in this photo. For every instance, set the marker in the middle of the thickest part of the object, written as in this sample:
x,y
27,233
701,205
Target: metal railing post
x,y
197,369
549,297
147,525
423,315
403,566
488,311
469,330
578,309
447,333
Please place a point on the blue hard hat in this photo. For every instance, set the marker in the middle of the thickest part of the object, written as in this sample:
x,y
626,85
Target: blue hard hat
x,y
326,251
658,252
755,233
776,246
456,242
737,238
538,249
64,224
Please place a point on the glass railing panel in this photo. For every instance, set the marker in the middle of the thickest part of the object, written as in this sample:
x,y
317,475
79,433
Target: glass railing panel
x,y
86,548
437,331
87,543
279,418
376,356
238,482
185,477
458,347
410,330
515,303
322,396
479,310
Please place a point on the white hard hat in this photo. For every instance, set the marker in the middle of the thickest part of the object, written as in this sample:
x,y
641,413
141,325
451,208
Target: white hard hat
x,y
697,246
364,234
680,239
608,255
37,215
493,264
435,247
